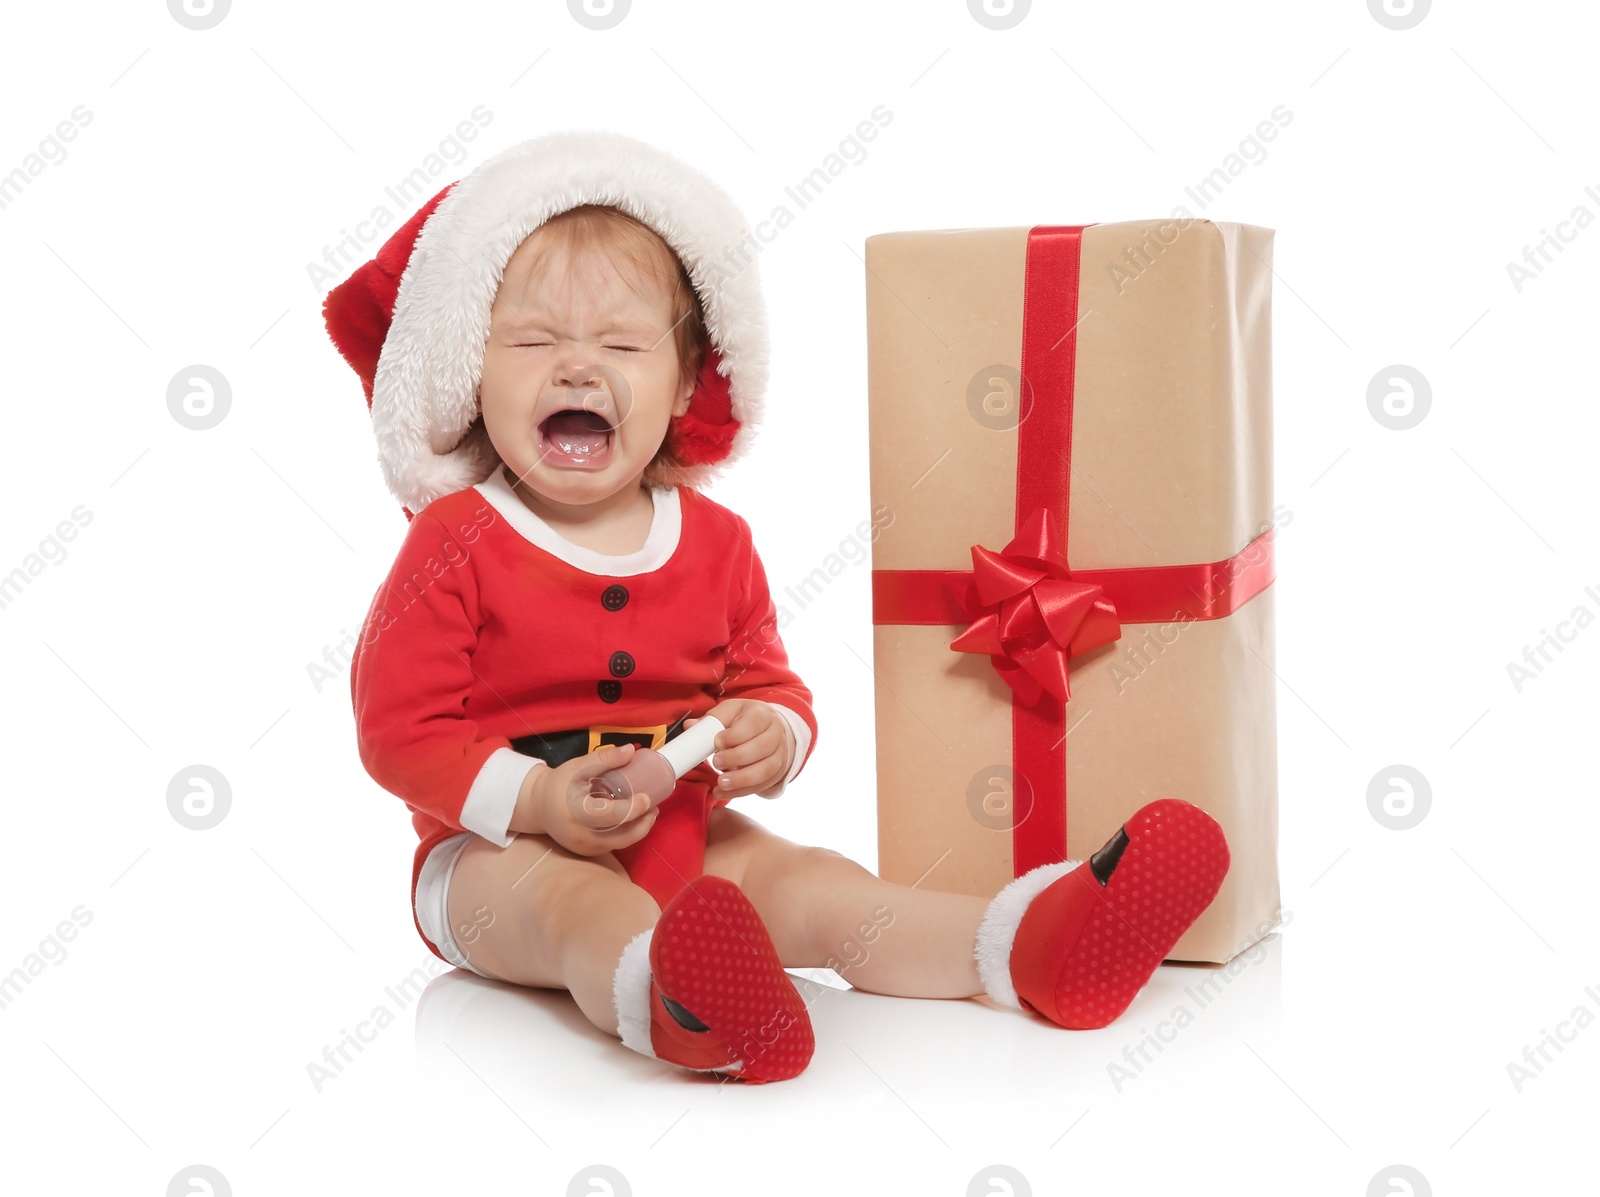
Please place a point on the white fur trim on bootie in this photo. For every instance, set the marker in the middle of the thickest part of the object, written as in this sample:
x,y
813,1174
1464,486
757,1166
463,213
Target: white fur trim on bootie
x,y
998,930
630,991
630,994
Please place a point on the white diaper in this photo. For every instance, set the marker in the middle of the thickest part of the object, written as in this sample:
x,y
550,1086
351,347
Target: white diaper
x,y
433,896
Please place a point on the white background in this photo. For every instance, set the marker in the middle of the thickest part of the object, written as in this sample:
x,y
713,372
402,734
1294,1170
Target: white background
x,y
176,1027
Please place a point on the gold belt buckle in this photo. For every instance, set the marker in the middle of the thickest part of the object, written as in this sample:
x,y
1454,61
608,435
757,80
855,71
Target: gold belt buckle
x,y
646,737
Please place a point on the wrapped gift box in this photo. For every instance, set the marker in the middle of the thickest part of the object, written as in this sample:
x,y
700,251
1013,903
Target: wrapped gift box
x,y
1071,447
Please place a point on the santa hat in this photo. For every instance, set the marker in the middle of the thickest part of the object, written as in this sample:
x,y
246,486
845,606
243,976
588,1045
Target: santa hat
x,y
413,321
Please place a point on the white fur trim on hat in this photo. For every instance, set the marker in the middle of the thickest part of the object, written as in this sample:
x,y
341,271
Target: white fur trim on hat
x,y
998,929
425,388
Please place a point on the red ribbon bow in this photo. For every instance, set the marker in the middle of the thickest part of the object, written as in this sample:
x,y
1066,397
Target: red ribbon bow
x,y
1029,615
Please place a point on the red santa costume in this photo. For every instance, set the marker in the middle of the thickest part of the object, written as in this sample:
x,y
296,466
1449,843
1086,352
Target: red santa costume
x,y
491,629
495,645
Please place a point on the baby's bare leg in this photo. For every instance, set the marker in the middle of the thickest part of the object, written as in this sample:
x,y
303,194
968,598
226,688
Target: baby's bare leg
x,y
824,910
536,914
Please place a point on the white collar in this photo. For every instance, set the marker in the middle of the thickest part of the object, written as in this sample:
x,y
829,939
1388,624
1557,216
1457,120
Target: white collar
x,y
665,524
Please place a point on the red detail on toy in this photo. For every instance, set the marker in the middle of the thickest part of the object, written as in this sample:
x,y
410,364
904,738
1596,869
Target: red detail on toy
x,y
712,955
1083,952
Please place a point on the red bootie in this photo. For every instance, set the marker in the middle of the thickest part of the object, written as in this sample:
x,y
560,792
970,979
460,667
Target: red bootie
x,y
1077,942
717,997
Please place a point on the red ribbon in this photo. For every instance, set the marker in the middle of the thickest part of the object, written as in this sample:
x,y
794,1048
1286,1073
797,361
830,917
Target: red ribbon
x,y
1023,606
1029,615
1139,594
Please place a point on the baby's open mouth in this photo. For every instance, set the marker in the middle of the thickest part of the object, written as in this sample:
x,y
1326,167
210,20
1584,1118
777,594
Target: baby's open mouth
x,y
576,438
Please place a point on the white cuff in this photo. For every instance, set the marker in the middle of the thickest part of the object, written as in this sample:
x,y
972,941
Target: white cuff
x,y
630,993
800,734
997,930
492,800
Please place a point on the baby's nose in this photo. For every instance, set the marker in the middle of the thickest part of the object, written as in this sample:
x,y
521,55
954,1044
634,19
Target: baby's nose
x,y
580,374
595,386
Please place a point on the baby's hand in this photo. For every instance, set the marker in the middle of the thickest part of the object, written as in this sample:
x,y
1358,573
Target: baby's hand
x,y
582,823
756,749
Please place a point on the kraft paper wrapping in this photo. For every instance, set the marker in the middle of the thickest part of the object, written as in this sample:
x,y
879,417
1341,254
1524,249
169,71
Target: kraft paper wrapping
x,y
1171,464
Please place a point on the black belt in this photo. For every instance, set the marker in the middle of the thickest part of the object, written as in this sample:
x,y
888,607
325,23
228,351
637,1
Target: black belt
x,y
559,747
